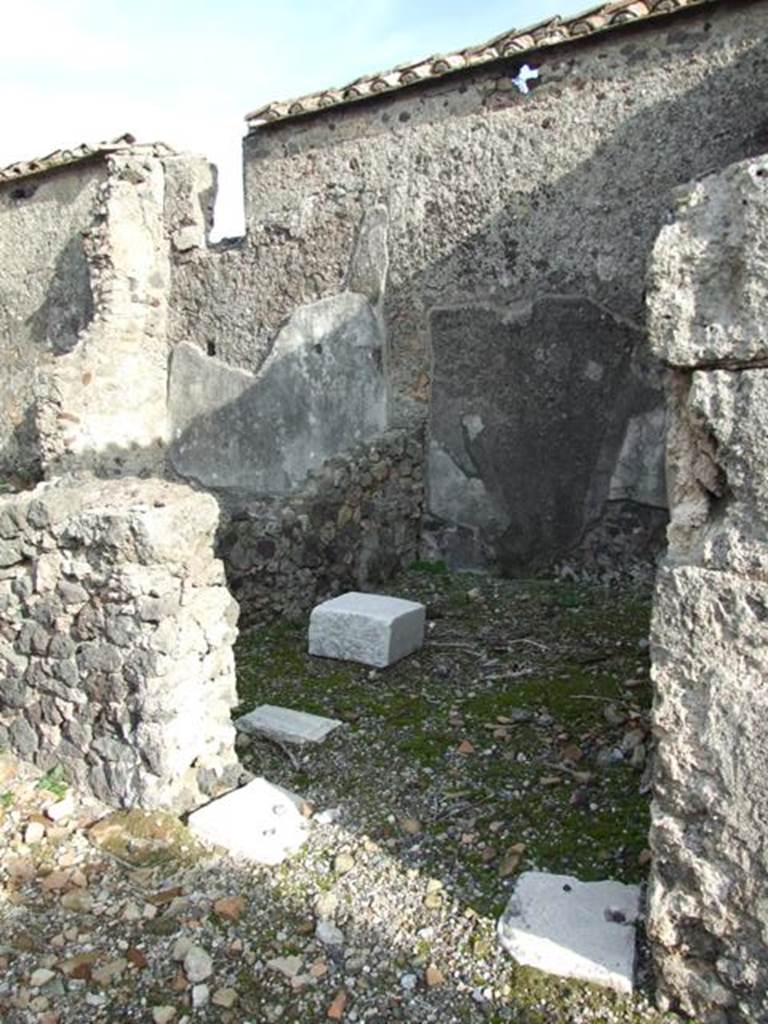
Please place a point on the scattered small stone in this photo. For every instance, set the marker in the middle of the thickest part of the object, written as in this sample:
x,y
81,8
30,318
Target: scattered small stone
x,y
613,714
197,964
337,1007
412,826
34,833
572,753
224,997
511,860
319,969
109,972
56,881
328,816
408,982
465,748
200,996
329,934
608,757
135,957
41,977
343,863
433,976
288,966
77,902
60,810
163,1014
181,947
230,907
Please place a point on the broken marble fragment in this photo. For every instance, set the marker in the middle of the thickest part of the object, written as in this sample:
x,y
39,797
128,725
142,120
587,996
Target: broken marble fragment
x,y
286,725
260,822
367,628
573,929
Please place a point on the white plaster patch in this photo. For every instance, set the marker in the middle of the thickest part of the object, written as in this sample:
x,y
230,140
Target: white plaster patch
x,y
260,822
573,929
474,425
366,628
640,471
457,498
286,725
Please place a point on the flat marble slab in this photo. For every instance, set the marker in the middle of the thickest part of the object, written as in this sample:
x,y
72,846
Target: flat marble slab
x,y
573,929
366,628
286,725
260,822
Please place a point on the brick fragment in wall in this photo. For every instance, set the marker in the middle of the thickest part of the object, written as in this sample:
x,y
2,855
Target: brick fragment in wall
x,y
118,661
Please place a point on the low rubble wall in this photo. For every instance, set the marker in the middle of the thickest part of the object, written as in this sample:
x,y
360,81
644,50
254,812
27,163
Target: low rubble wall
x,y
708,303
356,523
116,634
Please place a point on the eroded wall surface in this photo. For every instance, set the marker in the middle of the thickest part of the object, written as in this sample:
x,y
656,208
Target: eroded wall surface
x,y
508,229
103,405
46,298
116,634
708,302
86,253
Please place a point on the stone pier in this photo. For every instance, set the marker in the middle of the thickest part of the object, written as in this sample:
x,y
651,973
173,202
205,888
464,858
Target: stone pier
x,y
708,299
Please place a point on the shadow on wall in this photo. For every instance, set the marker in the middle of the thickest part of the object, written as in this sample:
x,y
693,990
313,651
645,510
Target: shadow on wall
x,y
68,306
546,430
27,471
321,391
52,329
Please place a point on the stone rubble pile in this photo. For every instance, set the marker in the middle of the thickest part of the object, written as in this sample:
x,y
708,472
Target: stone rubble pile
x,y
116,633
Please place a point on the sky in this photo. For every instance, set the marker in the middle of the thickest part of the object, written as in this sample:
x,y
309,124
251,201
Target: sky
x,y
186,72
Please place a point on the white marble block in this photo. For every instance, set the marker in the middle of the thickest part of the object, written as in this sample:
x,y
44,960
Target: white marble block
x,y
574,929
367,628
260,822
286,725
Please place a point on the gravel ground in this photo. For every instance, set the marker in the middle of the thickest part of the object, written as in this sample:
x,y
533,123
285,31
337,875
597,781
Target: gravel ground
x,y
517,738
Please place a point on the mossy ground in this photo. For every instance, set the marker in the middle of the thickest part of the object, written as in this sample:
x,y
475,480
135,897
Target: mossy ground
x,y
430,766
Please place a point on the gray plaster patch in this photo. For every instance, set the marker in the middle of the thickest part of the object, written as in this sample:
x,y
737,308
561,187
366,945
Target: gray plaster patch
x,y
260,822
573,929
553,389
366,628
321,391
286,725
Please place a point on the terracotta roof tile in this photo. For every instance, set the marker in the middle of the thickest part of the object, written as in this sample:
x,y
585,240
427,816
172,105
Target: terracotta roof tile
x,y
551,32
64,157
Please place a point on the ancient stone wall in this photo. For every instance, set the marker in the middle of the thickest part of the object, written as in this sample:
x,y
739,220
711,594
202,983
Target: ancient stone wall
x,y
354,525
84,288
708,302
45,294
116,633
507,238
103,405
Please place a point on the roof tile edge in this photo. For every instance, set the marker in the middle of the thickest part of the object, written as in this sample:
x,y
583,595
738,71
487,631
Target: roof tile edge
x,y
552,32
65,157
